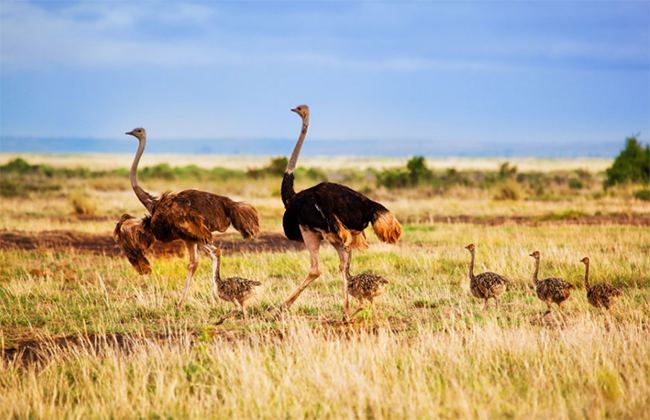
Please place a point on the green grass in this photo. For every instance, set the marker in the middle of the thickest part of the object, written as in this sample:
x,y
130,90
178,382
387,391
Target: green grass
x,y
111,344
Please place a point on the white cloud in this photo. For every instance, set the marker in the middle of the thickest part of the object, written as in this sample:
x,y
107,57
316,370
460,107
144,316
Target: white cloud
x,y
177,34
99,34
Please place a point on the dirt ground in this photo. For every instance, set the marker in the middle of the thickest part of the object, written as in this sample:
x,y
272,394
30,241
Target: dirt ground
x,y
103,244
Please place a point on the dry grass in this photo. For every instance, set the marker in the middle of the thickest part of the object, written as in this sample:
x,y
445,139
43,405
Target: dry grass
x,y
107,161
83,336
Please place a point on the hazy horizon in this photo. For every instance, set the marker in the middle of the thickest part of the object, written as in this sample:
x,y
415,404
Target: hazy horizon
x,y
283,147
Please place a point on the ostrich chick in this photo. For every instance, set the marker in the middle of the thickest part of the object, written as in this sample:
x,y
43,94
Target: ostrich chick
x,y
486,285
365,286
552,289
600,295
236,290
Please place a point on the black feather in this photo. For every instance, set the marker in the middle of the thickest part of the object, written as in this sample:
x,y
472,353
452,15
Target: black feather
x,y
320,206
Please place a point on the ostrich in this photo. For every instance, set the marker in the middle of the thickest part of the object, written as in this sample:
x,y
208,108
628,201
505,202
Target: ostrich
x,y
485,285
365,286
600,295
330,212
189,215
552,289
236,290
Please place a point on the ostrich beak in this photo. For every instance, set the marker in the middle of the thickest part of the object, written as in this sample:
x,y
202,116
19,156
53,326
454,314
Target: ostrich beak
x,y
294,110
129,132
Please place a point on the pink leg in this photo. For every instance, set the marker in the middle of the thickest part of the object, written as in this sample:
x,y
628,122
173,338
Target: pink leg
x,y
345,254
193,252
312,242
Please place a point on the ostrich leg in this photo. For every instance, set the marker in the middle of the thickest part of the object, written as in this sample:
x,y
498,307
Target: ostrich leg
x,y
215,255
193,251
345,255
312,242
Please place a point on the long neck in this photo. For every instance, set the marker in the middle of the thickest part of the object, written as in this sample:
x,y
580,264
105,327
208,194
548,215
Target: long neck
x,y
217,274
535,280
287,181
587,286
145,198
471,266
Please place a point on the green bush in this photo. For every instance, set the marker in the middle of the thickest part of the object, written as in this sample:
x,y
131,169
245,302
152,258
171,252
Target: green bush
x,y
18,165
631,165
507,171
643,194
575,184
416,173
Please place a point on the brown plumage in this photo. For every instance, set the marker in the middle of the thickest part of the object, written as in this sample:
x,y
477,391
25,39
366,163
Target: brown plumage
x,y
550,290
190,216
134,239
486,285
365,286
600,295
330,212
236,290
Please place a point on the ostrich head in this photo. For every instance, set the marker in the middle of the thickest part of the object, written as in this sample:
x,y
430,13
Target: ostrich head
x,y
470,247
138,133
585,260
302,110
134,238
535,255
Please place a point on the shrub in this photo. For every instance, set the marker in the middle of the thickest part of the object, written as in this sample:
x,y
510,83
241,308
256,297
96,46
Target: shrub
x,y
417,170
643,194
18,165
9,188
416,173
509,190
631,165
575,184
83,205
507,171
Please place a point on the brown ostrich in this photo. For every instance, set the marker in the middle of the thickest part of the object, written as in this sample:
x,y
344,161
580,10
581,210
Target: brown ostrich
x,y
236,290
365,286
600,295
189,215
486,285
330,212
552,289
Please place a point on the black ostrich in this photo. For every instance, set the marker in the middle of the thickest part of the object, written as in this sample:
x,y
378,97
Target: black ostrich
x,y
330,212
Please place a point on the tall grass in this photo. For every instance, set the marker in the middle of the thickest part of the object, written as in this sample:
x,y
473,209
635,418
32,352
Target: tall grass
x,y
83,336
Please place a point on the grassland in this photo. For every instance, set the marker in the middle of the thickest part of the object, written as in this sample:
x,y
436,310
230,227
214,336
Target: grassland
x,y
83,336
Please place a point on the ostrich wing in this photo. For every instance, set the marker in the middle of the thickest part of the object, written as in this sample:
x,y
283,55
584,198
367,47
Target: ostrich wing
x,y
323,206
190,215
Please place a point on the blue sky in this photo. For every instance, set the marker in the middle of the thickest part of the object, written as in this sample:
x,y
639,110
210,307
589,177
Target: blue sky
x,y
471,74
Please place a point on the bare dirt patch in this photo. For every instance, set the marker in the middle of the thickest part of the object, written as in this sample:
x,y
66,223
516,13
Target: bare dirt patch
x,y
104,244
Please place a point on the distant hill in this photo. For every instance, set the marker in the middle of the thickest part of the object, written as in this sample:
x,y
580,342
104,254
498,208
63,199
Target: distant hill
x,y
270,147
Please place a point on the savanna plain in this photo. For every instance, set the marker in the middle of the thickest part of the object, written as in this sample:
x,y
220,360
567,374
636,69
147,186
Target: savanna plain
x,y
84,336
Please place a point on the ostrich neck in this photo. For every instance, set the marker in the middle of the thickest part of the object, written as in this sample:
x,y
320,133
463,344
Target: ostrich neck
x,y
535,280
296,150
587,286
287,190
218,271
471,267
145,198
